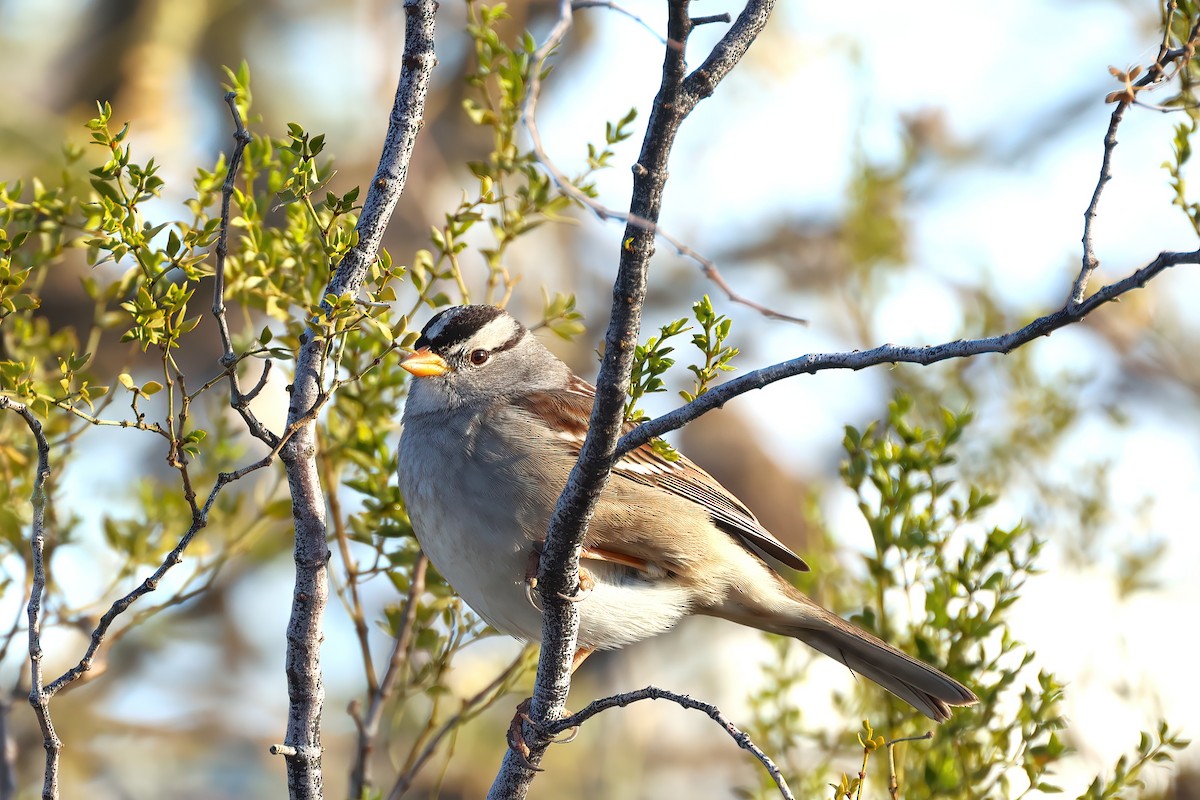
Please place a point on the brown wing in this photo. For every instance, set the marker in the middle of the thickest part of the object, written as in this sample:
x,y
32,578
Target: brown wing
x,y
568,410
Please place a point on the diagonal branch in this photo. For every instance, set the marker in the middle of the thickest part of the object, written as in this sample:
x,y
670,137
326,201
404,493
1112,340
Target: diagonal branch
x,y
687,99
897,354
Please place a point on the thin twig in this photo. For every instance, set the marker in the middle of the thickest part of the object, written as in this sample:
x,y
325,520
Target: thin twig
x,y
39,695
229,359
893,776
469,710
578,5
8,756
711,18
1156,74
1090,262
654,693
368,725
603,212
149,584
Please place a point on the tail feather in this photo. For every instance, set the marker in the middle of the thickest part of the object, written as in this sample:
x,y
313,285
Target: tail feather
x,y
926,689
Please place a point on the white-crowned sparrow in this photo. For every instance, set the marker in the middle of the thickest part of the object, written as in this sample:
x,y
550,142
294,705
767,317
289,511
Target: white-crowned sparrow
x,y
492,426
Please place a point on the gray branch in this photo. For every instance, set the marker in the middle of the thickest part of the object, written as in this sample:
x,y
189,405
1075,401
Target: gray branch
x,y
306,691
558,576
39,696
898,354
654,693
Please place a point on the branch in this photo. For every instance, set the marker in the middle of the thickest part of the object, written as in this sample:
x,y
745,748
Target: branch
x,y
368,725
306,692
654,693
471,708
897,354
199,522
578,5
39,696
229,360
1090,262
558,575
1156,73
687,101
8,757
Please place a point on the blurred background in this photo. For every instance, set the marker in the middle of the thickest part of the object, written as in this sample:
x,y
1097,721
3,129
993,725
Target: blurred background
x,y
905,173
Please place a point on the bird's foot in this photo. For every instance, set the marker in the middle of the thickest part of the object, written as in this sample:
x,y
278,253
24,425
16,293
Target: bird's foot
x,y
516,734
586,584
531,581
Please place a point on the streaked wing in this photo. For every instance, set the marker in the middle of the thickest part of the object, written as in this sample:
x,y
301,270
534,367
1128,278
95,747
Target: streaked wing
x,y
568,411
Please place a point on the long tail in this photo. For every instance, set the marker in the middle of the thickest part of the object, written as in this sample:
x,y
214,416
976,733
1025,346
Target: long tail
x,y
926,689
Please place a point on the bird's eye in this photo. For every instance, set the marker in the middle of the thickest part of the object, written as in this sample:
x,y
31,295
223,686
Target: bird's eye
x,y
479,357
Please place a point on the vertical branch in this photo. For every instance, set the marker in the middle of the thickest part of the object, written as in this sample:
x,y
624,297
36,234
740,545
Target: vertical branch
x,y
1090,261
229,359
558,575
368,726
8,753
306,691
39,697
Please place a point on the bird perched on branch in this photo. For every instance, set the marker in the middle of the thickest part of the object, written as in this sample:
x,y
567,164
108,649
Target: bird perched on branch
x,y
493,425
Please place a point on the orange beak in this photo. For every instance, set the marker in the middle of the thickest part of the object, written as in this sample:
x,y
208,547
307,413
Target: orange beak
x,y
425,363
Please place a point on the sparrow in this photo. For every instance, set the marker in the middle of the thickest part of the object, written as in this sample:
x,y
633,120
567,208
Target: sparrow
x,y
492,426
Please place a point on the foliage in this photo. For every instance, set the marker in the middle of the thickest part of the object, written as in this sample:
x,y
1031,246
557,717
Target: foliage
x,y
288,230
942,582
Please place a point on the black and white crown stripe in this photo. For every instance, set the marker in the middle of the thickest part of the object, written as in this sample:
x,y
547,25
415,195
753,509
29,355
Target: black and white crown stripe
x,y
479,327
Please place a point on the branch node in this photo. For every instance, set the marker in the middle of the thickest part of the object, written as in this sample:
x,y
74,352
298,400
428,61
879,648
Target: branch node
x,y
712,18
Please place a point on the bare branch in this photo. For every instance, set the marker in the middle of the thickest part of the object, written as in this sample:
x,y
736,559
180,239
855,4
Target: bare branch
x,y
578,5
631,219
1156,74
897,354
8,755
654,693
558,576
1090,262
368,725
199,522
471,708
39,696
306,691
711,18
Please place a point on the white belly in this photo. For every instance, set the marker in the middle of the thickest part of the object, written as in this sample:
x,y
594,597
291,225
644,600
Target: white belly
x,y
484,552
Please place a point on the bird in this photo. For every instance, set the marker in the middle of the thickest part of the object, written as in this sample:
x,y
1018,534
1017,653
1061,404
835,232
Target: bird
x,y
493,424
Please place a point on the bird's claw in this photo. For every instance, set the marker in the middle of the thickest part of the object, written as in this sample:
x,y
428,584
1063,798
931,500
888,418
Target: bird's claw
x,y
516,736
530,588
586,584
531,581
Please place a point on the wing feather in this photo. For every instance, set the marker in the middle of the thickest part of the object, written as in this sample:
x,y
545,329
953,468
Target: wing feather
x,y
568,412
